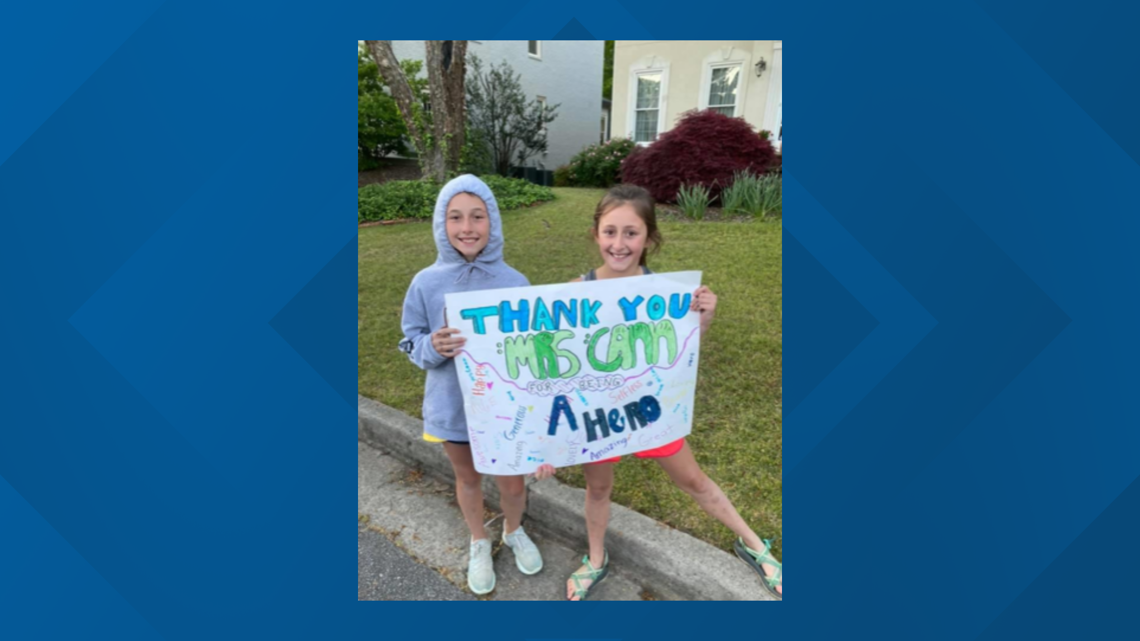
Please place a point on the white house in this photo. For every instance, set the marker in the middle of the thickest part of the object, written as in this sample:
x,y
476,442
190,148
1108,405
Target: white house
x,y
655,81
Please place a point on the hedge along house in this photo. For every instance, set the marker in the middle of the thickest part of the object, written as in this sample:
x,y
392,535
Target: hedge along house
x,y
655,81
567,73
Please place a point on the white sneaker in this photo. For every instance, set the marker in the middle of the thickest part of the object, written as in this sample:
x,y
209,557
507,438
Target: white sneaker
x,y
480,569
527,557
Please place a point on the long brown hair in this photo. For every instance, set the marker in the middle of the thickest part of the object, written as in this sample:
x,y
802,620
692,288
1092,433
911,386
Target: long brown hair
x,y
643,206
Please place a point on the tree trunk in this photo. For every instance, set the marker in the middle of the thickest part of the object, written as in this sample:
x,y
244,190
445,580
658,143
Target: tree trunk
x,y
390,71
446,65
447,68
432,164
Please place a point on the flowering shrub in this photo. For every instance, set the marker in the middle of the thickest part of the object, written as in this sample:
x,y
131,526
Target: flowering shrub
x,y
599,165
705,148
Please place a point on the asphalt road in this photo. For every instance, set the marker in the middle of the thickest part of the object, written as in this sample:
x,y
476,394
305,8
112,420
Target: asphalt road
x,y
387,573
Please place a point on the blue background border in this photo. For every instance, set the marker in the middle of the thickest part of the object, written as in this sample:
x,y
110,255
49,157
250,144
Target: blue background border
x,y
179,332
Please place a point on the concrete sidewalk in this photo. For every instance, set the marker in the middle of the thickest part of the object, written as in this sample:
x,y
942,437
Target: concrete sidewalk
x,y
406,492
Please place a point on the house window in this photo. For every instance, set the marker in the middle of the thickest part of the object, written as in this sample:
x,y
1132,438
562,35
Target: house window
x,y
648,107
534,49
723,85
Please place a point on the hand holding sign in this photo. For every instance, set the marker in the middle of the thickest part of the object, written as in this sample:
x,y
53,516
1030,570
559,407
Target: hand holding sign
x,y
447,341
704,301
544,471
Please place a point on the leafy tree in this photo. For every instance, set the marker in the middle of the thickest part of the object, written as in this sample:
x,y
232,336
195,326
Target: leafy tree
x,y
438,138
380,128
512,128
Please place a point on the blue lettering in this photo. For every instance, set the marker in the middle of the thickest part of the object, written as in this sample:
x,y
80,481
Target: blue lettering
x,y
508,317
617,423
589,312
569,313
599,423
678,306
629,309
477,314
561,406
542,319
650,408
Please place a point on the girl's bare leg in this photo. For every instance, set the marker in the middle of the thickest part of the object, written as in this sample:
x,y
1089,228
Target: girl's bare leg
x,y
599,485
468,487
687,475
512,498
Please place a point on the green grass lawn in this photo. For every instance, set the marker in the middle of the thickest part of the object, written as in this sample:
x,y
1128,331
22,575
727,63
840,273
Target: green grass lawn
x,y
736,434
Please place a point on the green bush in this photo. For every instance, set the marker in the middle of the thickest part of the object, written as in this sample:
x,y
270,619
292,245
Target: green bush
x,y
364,163
513,193
753,195
398,199
562,176
732,197
771,198
599,165
475,157
693,201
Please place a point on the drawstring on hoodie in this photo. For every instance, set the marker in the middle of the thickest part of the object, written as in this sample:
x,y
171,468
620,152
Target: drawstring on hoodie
x,y
468,269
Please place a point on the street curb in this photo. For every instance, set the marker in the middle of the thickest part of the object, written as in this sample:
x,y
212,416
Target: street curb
x,y
673,563
401,435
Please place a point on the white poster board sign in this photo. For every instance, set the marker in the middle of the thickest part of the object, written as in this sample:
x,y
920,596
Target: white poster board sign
x,y
575,373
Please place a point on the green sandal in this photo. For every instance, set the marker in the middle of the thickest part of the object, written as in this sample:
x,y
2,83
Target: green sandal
x,y
595,576
755,560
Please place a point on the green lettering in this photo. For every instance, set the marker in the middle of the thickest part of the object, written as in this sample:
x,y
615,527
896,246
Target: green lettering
x,y
664,329
575,364
621,347
520,349
600,366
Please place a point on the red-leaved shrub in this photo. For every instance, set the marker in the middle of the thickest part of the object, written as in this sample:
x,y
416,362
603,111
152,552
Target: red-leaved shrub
x,y
705,148
777,165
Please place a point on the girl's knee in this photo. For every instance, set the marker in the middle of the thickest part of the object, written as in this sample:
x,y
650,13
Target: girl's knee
x,y
468,479
697,484
599,491
512,486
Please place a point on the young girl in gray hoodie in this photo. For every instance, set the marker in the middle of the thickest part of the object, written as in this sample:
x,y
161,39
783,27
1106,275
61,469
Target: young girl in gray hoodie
x,y
469,238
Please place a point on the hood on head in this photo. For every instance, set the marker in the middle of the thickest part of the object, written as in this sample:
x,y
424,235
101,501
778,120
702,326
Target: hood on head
x,y
493,252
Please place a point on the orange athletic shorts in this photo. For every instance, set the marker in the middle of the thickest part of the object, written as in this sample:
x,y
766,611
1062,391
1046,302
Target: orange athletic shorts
x,y
665,451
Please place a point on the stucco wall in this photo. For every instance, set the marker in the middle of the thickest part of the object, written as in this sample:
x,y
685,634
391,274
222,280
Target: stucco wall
x,y
687,64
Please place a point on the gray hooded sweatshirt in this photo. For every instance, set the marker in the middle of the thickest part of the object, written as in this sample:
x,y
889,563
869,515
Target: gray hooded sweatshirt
x,y
423,306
